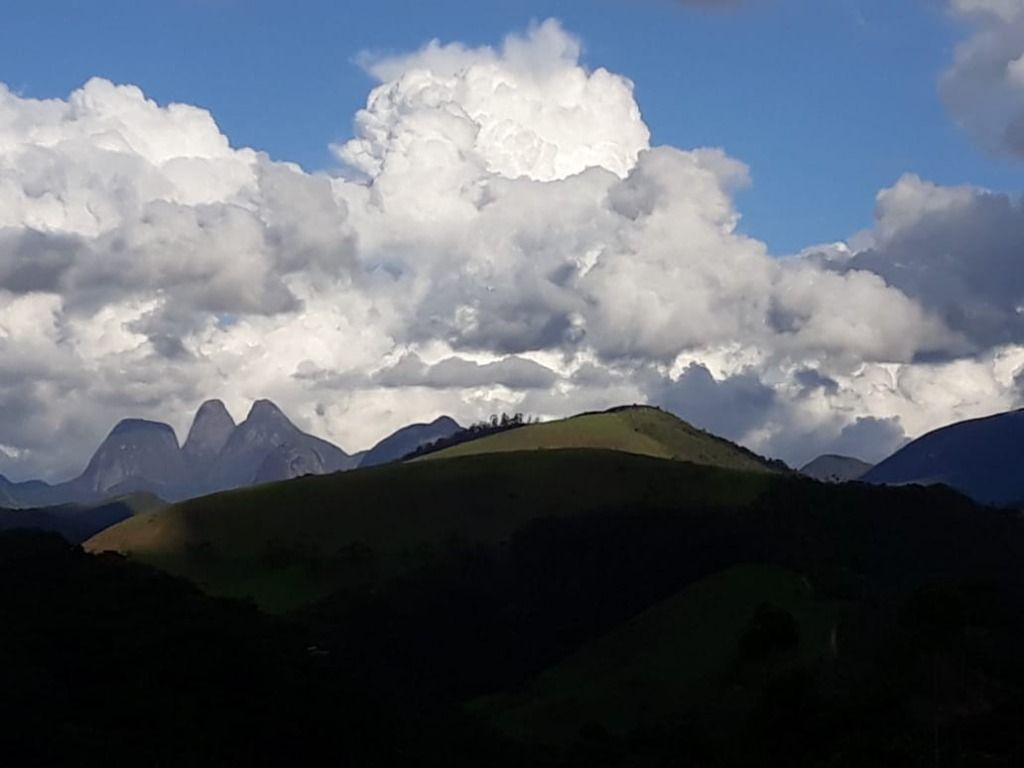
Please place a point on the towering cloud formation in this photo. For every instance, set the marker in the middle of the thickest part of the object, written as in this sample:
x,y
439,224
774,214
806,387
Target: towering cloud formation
x,y
500,235
528,111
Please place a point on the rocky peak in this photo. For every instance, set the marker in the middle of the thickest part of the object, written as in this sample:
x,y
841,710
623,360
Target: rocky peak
x,y
265,411
135,450
210,431
264,430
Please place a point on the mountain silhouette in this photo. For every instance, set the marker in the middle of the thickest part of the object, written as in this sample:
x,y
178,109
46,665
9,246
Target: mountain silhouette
x,y
265,430
137,455
831,468
144,456
981,458
406,440
209,433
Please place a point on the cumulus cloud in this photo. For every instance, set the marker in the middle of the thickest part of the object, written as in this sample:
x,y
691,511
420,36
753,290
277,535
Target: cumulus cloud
x,y
528,110
984,87
957,252
500,236
732,407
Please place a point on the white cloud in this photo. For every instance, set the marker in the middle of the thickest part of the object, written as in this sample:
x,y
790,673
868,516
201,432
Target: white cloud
x,y
957,252
529,110
512,242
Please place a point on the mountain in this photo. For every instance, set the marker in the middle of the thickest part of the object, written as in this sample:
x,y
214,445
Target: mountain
x,y
981,458
642,430
836,469
265,430
287,462
137,455
77,522
210,431
144,456
406,440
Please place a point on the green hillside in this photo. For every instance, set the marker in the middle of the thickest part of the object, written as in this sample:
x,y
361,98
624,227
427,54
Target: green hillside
x,y
682,655
288,543
638,429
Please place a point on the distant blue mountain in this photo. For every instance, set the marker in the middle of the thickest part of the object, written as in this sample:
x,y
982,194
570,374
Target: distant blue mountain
x,y
406,440
144,456
981,458
836,469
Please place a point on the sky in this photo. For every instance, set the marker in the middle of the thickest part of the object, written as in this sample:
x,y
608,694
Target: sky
x,y
794,222
827,101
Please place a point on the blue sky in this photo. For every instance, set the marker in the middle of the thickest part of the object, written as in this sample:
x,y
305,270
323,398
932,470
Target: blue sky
x,y
828,101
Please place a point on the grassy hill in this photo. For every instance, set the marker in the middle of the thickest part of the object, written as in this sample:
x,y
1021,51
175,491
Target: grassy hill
x,y
288,543
641,430
680,656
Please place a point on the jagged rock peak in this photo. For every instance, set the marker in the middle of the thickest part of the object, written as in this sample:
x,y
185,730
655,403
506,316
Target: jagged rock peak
x,y
213,410
265,410
138,450
211,428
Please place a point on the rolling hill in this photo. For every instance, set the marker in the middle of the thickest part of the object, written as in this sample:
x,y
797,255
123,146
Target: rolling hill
x,y
641,430
981,458
287,543
607,603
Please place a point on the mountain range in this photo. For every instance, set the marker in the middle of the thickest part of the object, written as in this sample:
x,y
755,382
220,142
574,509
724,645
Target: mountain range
x,y
217,455
980,457
612,583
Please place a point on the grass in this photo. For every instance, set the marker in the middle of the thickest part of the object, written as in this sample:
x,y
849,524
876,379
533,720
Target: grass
x,y
639,430
286,544
677,657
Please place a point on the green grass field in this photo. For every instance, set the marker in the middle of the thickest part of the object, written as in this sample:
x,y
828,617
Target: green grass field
x,y
679,656
641,430
288,543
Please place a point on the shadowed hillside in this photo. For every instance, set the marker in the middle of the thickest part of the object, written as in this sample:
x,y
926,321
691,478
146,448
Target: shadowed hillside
x,y
677,656
286,543
980,457
78,522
